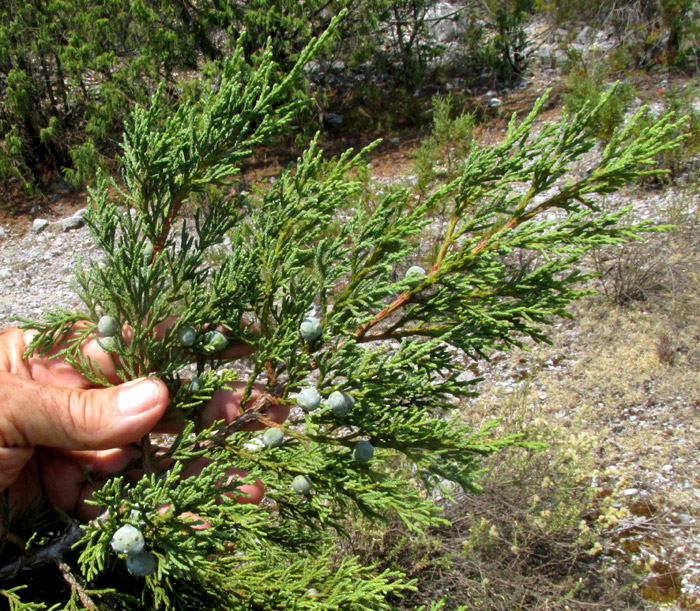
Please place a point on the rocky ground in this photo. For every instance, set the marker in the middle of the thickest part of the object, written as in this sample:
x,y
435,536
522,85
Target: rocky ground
x,y
36,269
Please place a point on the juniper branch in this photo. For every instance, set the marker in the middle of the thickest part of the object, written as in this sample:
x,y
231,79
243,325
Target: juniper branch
x,y
309,245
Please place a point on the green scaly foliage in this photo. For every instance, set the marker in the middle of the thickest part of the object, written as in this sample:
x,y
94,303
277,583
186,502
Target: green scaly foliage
x,y
397,346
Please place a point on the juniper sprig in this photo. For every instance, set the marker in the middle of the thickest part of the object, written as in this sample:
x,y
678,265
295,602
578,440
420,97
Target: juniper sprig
x,y
314,280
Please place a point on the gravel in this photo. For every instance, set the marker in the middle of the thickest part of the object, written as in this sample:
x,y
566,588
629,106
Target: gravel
x,y
36,271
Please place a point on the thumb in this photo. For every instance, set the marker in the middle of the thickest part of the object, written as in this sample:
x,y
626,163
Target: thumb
x,y
34,414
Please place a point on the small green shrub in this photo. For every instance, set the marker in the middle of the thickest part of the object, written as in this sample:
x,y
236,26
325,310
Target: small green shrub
x,y
496,41
441,155
13,171
684,160
587,85
86,160
532,540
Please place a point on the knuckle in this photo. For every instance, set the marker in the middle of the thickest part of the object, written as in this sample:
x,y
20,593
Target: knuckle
x,y
80,419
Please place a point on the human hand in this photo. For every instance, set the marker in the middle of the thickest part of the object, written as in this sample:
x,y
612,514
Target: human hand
x,y
55,427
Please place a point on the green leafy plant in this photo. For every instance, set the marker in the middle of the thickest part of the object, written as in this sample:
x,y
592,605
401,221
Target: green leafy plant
x,y
497,40
392,348
441,155
679,161
586,83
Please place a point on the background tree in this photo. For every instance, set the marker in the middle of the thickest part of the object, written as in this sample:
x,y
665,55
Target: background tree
x,y
70,70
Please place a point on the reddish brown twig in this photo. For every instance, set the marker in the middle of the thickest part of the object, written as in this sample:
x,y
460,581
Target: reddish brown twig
x,y
271,373
405,297
75,585
254,413
167,224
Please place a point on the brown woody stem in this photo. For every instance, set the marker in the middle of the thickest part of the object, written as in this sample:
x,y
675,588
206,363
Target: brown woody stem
x,y
172,213
402,299
75,585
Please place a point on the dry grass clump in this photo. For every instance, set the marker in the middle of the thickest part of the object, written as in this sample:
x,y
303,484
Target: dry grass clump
x,y
627,380
663,264
529,541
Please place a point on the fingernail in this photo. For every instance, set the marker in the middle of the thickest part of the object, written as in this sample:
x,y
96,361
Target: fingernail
x,y
138,396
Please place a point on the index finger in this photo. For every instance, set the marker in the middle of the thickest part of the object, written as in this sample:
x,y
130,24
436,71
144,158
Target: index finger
x,y
56,371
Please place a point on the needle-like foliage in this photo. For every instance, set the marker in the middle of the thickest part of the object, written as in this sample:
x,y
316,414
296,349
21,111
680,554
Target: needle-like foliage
x,y
253,267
